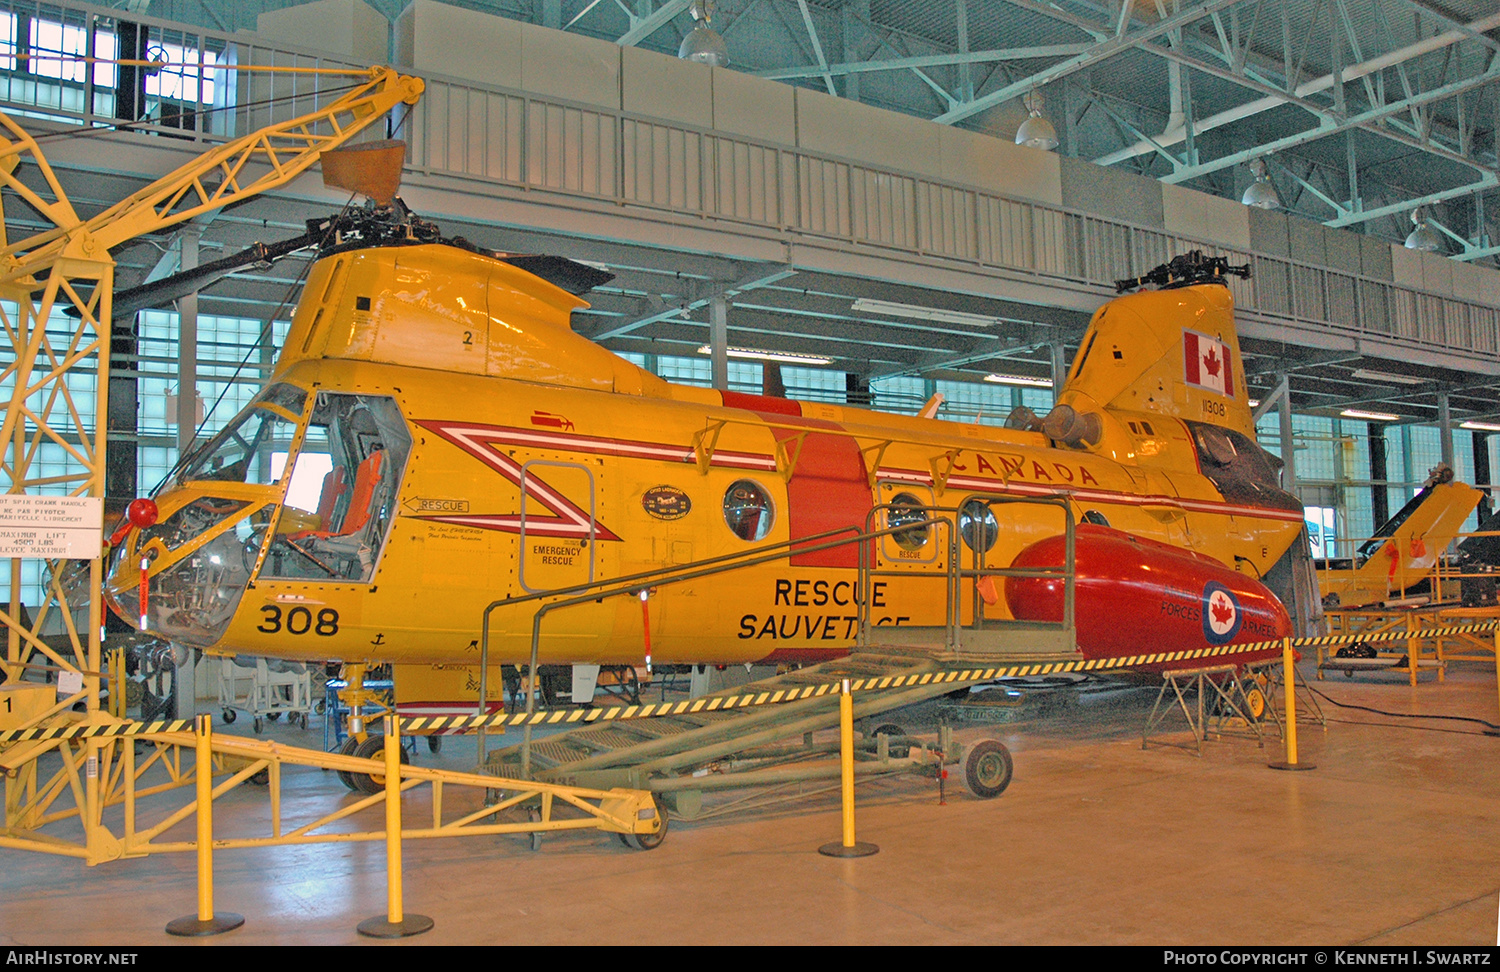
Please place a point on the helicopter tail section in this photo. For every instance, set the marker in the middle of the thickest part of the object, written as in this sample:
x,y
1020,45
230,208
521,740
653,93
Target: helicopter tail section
x,y
1172,352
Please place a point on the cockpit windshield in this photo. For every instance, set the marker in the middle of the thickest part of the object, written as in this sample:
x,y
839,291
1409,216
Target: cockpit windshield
x,y
293,488
247,450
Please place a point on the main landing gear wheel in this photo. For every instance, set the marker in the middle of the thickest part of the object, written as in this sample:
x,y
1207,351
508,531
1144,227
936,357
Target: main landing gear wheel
x,y
347,749
652,840
373,748
987,769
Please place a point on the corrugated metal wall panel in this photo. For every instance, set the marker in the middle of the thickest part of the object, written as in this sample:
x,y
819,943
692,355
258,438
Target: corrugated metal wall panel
x,y
515,137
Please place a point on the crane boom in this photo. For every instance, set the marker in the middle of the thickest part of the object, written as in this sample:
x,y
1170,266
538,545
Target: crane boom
x,y
68,266
217,178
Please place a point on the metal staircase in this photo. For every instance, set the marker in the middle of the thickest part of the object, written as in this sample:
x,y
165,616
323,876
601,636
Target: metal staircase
x,y
764,733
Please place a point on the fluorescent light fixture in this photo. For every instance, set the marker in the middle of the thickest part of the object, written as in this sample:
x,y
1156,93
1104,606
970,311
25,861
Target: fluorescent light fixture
x,y
1025,380
939,315
1255,403
1480,426
788,357
1355,413
1366,375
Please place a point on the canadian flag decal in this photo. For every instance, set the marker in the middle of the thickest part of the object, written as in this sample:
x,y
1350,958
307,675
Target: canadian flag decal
x,y
1206,363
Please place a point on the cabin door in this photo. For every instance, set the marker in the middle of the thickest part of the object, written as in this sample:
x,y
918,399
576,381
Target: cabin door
x,y
911,566
559,525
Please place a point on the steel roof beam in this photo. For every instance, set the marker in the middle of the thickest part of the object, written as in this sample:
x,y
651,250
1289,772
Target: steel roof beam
x,y
925,61
1095,54
1315,86
817,45
758,277
1331,123
643,27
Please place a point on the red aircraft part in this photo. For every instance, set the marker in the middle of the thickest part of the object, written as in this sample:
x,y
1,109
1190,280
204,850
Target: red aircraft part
x,y
1142,597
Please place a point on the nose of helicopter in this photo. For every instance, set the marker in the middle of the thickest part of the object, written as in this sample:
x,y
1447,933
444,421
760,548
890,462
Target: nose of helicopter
x,y
181,564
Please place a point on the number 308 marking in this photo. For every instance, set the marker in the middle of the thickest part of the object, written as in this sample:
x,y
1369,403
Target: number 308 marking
x,y
299,621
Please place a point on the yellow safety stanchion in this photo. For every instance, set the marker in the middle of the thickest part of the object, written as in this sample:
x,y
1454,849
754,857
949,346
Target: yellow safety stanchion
x,y
205,922
1496,732
395,923
1289,682
848,847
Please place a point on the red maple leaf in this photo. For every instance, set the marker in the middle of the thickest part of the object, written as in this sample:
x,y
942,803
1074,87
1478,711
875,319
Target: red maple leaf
x,y
1211,362
1222,612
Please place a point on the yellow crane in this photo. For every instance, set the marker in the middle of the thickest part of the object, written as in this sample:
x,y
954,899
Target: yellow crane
x,y
68,266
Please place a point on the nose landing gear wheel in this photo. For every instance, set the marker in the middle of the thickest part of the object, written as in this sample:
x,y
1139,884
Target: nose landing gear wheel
x,y
373,748
987,769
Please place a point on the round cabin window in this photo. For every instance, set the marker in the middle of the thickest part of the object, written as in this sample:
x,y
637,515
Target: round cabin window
x,y
747,510
906,508
978,526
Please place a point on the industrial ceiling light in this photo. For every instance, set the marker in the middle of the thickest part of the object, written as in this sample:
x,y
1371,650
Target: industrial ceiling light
x,y
1036,132
787,357
703,44
1365,374
1261,193
1024,380
1480,426
1424,237
1355,413
940,315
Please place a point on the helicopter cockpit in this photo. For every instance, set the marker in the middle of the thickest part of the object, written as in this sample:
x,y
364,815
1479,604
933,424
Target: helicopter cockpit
x,y
299,486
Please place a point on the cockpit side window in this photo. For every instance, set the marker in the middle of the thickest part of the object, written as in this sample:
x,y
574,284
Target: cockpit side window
x,y
341,498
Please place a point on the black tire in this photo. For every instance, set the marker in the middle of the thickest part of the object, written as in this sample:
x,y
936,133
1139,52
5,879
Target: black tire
x,y
1257,696
652,840
434,744
229,715
351,743
260,725
373,748
263,778
273,716
987,769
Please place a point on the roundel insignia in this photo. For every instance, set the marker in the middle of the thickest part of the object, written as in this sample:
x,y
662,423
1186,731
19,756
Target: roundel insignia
x,y
666,502
1221,614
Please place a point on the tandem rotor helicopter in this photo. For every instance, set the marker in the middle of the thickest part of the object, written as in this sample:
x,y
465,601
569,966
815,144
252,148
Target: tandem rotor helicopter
x,y
435,436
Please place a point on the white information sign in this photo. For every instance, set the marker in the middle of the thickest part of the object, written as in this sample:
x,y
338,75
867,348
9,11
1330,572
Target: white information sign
x,y
60,527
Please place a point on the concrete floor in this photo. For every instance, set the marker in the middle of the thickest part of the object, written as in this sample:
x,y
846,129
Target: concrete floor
x,y
1391,840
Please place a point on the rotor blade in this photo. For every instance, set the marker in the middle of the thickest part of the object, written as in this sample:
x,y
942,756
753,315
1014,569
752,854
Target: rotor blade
x,y
572,276
162,292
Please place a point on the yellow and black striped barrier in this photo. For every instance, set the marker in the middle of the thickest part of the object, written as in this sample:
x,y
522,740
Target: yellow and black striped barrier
x,y
425,725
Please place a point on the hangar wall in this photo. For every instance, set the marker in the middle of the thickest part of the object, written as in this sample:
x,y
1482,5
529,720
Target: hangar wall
x,y
511,104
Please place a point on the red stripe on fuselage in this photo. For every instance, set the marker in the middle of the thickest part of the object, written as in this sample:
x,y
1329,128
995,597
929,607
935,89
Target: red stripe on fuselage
x,y
828,489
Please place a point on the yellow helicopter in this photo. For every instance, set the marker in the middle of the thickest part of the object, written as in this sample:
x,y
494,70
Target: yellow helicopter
x,y
435,436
